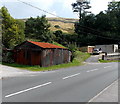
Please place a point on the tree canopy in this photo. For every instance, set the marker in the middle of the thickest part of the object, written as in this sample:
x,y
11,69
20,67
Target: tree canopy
x,y
103,28
12,29
38,28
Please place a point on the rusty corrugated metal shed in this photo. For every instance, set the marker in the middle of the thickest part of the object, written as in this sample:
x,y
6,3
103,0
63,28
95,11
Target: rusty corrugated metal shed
x,y
40,53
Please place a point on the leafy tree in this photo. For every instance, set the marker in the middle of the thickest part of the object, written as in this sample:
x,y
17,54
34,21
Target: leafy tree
x,y
38,28
0,37
12,31
84,29
113,13
58,35
63,38
30,27
72,48
80,7
103,28
21,26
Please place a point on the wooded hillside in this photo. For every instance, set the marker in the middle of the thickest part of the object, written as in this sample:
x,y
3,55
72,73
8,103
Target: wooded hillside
x,y
64,24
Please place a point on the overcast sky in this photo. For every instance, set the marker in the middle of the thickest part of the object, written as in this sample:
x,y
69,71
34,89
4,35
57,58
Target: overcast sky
x,y
60,8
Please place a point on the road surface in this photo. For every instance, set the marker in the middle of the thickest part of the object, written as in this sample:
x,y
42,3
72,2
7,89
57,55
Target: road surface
x,y
76,84
93,58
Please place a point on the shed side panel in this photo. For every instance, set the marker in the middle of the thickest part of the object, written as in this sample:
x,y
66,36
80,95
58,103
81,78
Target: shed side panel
x,y
35,58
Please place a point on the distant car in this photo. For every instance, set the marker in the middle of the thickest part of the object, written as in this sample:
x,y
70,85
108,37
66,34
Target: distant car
x,y
97,51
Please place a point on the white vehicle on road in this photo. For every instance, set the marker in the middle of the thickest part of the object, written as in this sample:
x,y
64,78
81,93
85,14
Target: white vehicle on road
x,y
97,51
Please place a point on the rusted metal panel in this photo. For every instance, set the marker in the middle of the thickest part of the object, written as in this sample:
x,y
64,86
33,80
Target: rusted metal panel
x,y
21,58
36,58
54,57
27,57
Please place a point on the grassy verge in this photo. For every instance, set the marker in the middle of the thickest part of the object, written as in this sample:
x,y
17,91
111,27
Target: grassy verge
x,y
78,60
55,43
106,61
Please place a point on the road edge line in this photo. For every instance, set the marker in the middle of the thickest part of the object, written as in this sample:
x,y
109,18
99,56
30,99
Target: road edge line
x,y
102,91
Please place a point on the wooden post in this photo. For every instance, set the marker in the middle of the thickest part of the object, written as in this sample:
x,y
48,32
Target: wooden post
x,y
103,57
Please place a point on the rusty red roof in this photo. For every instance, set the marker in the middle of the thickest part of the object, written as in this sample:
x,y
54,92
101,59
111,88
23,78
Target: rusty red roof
x,y
46,45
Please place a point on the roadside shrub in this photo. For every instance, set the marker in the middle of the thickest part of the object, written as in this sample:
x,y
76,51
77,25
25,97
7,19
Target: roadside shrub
x,y
72,48
7,57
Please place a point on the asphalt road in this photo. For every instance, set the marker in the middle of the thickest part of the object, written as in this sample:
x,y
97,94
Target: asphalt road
x,y
76,84
93,58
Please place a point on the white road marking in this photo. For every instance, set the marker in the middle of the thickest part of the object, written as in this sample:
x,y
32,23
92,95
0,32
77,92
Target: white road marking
x,y
71,76
19,92
92,70
107,66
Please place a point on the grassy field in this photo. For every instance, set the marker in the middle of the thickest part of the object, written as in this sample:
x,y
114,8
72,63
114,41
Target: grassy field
x,y
65,24
64,27
78,60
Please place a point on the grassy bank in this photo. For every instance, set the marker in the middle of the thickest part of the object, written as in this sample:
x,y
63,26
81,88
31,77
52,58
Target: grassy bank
x,y
55,43
78,60
106,61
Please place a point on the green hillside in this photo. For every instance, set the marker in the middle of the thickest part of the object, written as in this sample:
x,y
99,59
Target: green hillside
x,y
64,24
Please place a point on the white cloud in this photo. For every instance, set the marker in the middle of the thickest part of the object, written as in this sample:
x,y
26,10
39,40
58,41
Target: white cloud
x,y
99,5
1,4
26,9
40,3
24,0
45,4
67,4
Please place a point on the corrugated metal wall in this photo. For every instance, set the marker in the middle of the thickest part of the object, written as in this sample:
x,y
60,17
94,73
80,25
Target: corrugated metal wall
x,y
54,57
27,57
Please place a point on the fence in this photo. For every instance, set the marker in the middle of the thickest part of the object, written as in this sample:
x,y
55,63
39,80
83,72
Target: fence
x,y
111,57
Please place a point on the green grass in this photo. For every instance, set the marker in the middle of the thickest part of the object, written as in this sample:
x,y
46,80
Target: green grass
x,y
55,43
80,56
107,61
78,60
31,39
